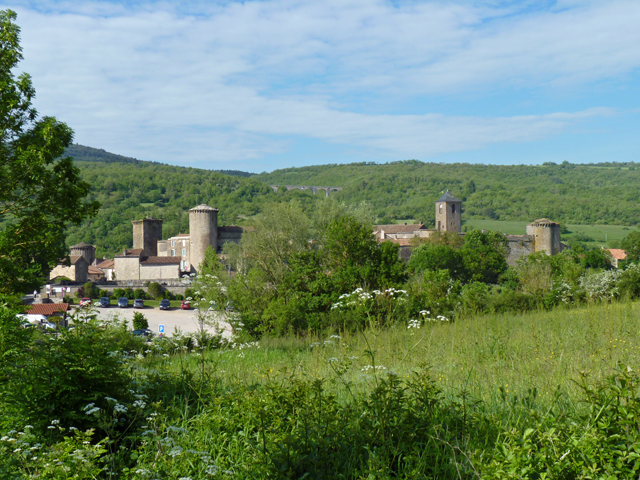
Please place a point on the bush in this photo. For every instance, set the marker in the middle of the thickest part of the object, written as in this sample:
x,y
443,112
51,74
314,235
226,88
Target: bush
x,y
128,293
105,293
140,321
168,295
80,292
155,290
118,292
178,297
89,290
140,293
68,299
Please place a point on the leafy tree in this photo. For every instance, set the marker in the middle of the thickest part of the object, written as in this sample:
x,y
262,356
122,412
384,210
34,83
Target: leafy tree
x,y
484,255
41,193
434,257
140,321
631,244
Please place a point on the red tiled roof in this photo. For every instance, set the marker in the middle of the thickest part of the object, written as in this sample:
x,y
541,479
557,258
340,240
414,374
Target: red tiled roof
x,y
395,228
108,263
95,270
75,259
160,260
46,309
617,253
133,252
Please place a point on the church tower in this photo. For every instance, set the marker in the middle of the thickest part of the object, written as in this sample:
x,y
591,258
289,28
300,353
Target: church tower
x,y
448,214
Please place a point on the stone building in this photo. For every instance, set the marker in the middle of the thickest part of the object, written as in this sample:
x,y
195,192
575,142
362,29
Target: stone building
x,y
543,235
81,257
153,258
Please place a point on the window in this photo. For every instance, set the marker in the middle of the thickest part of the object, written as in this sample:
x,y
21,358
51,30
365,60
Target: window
x,y
453,208
173,253
440,208
173,243
183,264
184,252
184,243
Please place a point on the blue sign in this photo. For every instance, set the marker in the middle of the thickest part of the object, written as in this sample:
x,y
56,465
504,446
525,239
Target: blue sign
x,y
160,328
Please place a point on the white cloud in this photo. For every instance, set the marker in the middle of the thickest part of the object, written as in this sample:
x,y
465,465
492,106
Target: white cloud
x,y
237,80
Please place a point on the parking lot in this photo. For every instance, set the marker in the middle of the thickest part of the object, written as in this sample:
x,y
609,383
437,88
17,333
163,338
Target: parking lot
x,y
183,320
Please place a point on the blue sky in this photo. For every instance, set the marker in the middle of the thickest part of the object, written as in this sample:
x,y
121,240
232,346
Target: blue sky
x,y
261,85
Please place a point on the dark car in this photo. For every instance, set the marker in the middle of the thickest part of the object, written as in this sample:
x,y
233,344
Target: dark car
x,y
104,302
165,304
123,302
143,333
138,303
185,305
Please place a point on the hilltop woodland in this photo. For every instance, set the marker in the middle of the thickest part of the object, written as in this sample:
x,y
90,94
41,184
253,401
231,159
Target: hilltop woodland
x,y
130,189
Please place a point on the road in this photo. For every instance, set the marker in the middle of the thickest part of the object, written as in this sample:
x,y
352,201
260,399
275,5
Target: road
x,y
184,320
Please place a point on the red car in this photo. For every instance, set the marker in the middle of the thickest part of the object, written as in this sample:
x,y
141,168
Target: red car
x,y
185,305
85,302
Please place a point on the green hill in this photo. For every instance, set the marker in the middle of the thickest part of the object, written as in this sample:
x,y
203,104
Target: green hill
x,y
130,189
576,194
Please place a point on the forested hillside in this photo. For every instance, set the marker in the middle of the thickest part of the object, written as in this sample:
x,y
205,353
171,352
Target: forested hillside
x,y
576,194
129,189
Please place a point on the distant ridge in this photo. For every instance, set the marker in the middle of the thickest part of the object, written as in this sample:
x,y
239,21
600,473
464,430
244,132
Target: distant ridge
x,y
83,153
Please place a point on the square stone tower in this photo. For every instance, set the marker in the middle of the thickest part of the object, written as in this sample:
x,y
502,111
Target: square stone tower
x,y
146,233
448,213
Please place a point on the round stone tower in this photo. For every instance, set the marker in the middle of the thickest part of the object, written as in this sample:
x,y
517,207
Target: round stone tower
x,y
448,213
203,232
546,236
146,233
84,250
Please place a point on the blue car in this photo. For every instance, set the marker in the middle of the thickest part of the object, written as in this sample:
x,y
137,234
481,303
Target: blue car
x,y
123,302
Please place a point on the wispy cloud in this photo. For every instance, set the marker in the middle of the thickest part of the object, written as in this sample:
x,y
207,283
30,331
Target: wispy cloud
x,y
231,81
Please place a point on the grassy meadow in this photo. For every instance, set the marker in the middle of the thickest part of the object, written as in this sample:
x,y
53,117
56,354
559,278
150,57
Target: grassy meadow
x,y
545,351
597,235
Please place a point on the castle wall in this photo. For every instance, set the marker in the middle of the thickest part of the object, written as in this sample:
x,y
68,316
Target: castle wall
x,y
88,252
159,272
162,248
127,268
519,246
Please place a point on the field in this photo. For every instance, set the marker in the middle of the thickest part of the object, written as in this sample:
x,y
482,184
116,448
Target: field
x,y
545,351
536,395
596,235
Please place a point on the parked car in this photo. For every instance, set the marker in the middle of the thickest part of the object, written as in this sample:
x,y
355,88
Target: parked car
x,y
123,302
85,302
143,333
165,304
185,305
138,303
104,302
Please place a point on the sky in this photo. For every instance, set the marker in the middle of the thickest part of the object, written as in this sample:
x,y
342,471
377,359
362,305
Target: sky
x,y
263,85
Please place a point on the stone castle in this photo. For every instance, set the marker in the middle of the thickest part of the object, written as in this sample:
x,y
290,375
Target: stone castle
x,y
540,236
153,258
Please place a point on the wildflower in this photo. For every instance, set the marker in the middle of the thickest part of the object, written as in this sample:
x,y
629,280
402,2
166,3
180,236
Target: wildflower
x,y
332,359
53,422
92,411
414,324
119,408
109,399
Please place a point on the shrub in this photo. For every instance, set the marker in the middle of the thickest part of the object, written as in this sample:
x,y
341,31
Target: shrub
x,y
140,321
155,290
178,296
105,293
89,290
119,292
140,293
128,292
